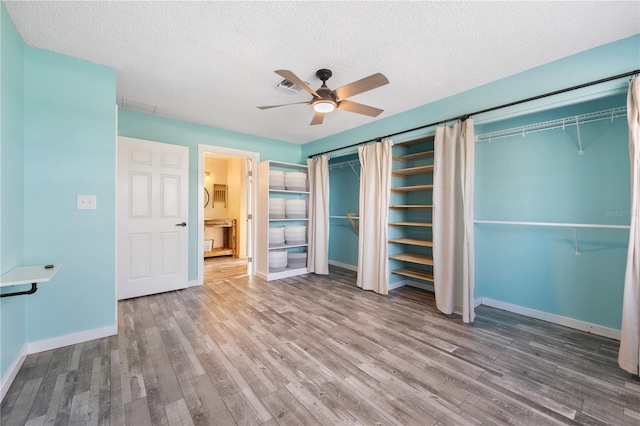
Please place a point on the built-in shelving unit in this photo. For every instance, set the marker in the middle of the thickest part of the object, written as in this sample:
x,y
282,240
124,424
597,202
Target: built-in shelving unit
x,y
265,192
410,224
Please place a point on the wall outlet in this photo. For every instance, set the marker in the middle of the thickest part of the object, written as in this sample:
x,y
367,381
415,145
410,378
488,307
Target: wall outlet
x,y
86,202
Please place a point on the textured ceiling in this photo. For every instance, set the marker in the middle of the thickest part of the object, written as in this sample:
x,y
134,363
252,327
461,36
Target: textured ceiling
x,y
212,63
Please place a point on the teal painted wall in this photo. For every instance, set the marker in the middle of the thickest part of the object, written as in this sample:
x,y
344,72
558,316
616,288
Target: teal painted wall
x,y
540,180
12,309
70,149
344,197
159,129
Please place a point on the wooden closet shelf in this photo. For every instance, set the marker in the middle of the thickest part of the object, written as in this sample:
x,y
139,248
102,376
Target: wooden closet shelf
x,y
414,273
426,224
411,206
421,259
410,171
412,241
414,156
219,252
220,223
412,188
416,141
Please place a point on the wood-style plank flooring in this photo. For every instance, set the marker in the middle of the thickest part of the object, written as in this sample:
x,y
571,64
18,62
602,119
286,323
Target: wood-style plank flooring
x,y
317,350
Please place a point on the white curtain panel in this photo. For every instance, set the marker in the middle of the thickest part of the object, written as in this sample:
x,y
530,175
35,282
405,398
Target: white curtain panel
x,y
318,248
629,355
453,247
375,192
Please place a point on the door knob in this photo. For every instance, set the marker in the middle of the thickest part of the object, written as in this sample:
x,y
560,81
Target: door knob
x,y
183,224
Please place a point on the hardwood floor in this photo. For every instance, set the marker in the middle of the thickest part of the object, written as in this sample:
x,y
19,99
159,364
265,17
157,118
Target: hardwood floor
x,y
219,269
317,350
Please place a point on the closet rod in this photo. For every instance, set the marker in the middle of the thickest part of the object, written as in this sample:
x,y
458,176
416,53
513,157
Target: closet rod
x,y
465,116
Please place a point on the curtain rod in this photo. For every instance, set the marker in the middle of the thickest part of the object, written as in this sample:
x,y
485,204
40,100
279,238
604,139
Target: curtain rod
x,y
465,116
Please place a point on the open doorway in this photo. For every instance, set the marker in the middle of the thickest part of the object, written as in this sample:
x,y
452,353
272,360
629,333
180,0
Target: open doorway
x,y
226,231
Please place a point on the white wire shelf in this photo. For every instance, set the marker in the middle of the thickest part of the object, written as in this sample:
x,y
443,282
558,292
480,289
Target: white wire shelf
x,y
575,227
561,123
552,224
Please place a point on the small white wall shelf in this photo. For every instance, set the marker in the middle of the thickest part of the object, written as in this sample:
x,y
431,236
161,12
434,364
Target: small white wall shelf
x,y
32,274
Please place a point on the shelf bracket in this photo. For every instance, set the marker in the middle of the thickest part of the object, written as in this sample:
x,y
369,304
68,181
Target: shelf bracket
x,y
350,217
581,152
575,239
354,169
34,288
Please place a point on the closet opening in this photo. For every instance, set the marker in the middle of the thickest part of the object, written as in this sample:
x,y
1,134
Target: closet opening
x,y
225,214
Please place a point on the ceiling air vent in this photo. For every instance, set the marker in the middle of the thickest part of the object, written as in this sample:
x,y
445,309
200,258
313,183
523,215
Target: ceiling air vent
x,y
289,87
138,106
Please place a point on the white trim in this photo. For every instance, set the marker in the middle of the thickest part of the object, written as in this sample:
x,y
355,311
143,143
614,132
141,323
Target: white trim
x,y
397,284
599,330
115,223
194,283
71,339
477,302
421,285
219,150
12,372
346,266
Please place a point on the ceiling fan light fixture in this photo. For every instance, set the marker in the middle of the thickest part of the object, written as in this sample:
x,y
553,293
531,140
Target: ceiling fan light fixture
x,y
324,106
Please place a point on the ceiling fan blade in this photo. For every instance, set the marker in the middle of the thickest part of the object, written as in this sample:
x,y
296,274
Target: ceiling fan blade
x,y
359,108
276,106
317,118
295,80
363,85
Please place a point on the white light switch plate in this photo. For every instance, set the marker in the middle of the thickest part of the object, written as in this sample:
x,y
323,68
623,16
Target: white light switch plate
x,y
86,202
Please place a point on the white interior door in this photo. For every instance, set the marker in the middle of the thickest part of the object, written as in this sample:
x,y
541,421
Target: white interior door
x,y
153,196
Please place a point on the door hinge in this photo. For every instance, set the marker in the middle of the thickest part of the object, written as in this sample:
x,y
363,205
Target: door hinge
x,y
249,217
250,173
249,259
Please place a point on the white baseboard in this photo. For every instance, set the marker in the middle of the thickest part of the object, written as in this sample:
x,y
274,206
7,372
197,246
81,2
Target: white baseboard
x,y
70,339
421,285
397,284
353,268
599,330
194,283
12,372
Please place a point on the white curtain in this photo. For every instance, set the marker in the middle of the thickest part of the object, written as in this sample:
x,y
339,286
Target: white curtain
x,y
453,250
375,191
318,249
629,355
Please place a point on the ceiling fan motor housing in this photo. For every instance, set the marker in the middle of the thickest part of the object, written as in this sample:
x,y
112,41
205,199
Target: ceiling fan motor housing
x,y
324,93
324,74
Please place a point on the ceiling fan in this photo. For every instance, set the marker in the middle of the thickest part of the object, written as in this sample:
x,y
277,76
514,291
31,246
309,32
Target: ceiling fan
x,y
326,100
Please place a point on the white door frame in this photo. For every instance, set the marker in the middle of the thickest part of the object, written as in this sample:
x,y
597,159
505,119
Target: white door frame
x,y
212,149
